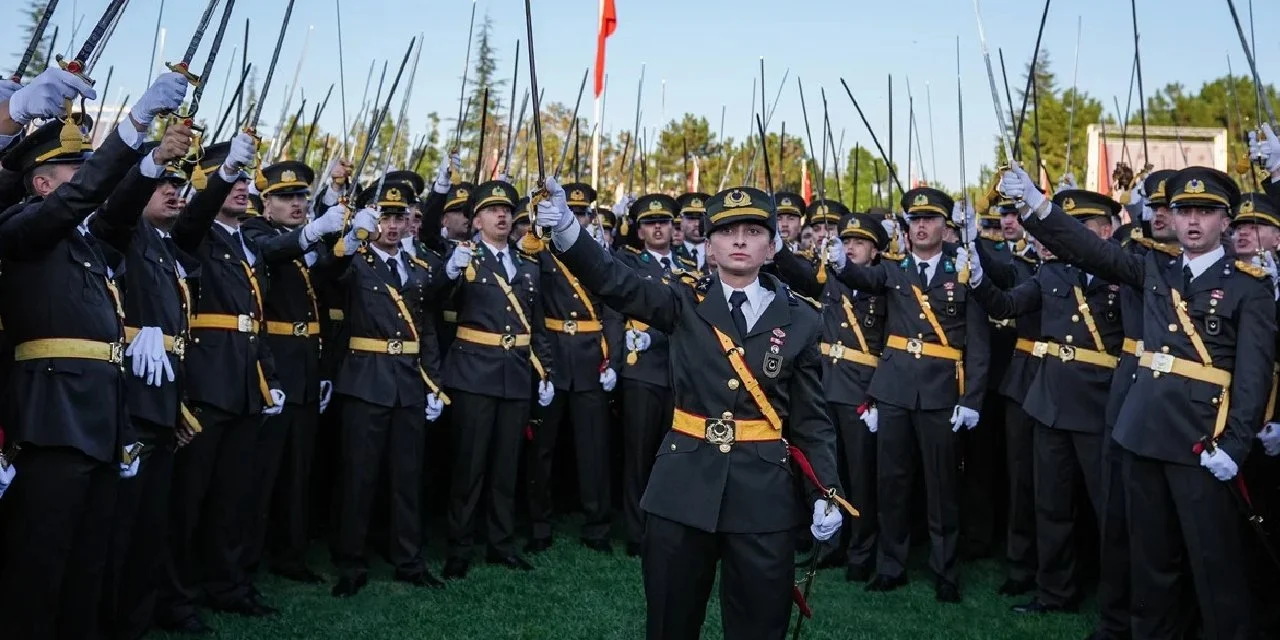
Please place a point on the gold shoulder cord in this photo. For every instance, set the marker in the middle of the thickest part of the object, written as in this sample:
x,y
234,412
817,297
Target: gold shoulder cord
x,y
524,321
853,323
582,295
1083,306
942,335
257,299
1180,308
413,331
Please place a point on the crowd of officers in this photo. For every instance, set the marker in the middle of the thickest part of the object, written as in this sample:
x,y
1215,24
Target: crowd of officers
x,y
203,359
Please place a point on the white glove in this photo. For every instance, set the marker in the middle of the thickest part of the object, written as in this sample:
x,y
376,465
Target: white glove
x,y
8,88
1016,184
1138,195
1067,181
546,392
330,197
835,253
326,394
1267,149
621,207
366,219
46,96
131,469
277,403
968,256
330,222
1270,437
165,96
242,151
1148,214
553,211
435,406
871,417
597,233
1219,464
7,474
637,340
458,261
964,217
149,358
608,379
963,417
826,520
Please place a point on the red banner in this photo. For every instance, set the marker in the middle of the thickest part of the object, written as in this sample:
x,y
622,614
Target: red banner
x,y
608,24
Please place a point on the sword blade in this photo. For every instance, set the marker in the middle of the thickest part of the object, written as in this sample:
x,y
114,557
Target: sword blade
x,y
199,34
564,149
100,29
213,54
537,100
1001,123
271,70
36,36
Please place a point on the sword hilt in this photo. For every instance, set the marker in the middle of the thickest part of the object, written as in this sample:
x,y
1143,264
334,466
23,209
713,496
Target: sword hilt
x,y
185,69
532,242
75,67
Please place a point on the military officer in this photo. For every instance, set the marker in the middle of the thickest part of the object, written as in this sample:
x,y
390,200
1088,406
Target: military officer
x,y
929,385
63,313
1080,342
791,208
1197,401
721,490
693,246
852,341
500,351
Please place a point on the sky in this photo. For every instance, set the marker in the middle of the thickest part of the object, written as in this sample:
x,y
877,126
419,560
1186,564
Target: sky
x,y
699,56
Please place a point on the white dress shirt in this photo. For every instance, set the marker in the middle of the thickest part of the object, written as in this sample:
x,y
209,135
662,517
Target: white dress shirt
x,y
384,256
1201,264
931,265
698,251
248,255
758,299
503,256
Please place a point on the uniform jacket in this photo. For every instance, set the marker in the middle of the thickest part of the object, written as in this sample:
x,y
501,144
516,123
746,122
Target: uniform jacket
x,y
1233,312
926,383
653,364
1007,274
751,488
579,357
55,284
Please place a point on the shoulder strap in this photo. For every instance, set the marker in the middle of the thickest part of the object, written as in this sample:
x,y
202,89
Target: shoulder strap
x,y
1083,306
1180,308
734,354
853,323
586,301
928,314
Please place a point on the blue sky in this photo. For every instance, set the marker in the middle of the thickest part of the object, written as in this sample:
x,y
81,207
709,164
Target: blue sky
x,y
707,51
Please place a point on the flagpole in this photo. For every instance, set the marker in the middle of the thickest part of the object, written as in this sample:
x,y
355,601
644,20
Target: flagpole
x,y
595,138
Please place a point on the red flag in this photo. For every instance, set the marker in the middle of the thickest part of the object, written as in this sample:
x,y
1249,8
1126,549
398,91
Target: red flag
x,y
608,23
806,187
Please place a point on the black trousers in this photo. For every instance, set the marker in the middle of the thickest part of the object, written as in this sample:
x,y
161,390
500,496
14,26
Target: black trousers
x,y
679,567
370,435
904,434
858,446
286,447
1178,516
588,413
139,538
58,540
211,509
1020,543
1113,582
1060,455
981,480
488,433
646,416
325,463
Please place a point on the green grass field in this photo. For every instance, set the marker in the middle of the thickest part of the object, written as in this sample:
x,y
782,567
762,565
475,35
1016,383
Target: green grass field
x,y
578,594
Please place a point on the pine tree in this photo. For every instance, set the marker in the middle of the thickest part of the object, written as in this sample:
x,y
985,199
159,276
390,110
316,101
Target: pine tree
x,y
483,77
39,58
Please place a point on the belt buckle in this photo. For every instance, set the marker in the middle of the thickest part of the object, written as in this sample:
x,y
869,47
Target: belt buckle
x,y
1039,349
244,324
395,347
722,431
837,351
571,327
116,353
508,341
1137,349
179,346
915,346
300,330
1162,362
1066,353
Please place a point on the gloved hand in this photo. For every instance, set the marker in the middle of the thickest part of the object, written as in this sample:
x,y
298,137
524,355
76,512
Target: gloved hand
x,y
149,358
277,403
637,340
871,417
164,96
1016,184
597,233
835,254
553,211
326,394
7,474
608,379
546,392
1067,181
1267,262
458,261
1270,437
330,222
442,183
965,219
1219,464
130,469
242,151
623,206
968,256
963,417
1138,195
366,219
1148,214
1266,149
8,88
435,407
47,94
826,520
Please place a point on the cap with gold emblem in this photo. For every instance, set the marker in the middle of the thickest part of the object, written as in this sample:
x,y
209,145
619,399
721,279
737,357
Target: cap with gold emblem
x,y
395,198
412,178
52,143
286,178
789,203
865,226
522,212
1154,186
1257,208
579,195
1082,204
693,204
1202,187
926,202
741,204
826,211
494,193
458,198
210,161
654,207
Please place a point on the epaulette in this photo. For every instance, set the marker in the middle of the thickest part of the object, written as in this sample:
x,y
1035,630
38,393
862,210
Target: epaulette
x,y
807,254
527,256
1251,269
420,262
693,266
1027,259
1157,246
632,249
893,257
797,296
689,278
994,235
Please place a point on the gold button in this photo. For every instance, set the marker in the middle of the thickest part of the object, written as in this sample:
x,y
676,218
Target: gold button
x,y
1069,339
1155,374
397,333
728,415
1173,327
673,446
507,328
724,448
922,317
1075,318
733,384
1164,349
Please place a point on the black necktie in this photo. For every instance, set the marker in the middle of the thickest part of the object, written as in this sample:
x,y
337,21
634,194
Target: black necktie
x,y
666,263
238,246
1186,278
737,298
502,261
694,254
1084,279
393,265
924,274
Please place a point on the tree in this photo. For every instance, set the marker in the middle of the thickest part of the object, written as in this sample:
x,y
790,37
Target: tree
x,y
39,57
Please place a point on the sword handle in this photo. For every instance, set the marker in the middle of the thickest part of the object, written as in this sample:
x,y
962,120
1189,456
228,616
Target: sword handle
x,y
185,70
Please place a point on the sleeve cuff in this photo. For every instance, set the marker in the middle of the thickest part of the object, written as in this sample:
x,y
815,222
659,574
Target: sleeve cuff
x,y
149,168
564,239
129,133
228,176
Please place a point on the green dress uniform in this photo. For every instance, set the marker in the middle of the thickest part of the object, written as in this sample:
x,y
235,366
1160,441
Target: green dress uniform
x,y
1204,374
722,490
